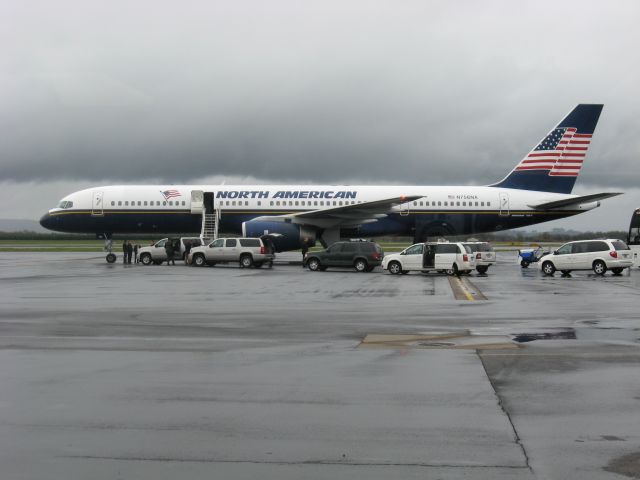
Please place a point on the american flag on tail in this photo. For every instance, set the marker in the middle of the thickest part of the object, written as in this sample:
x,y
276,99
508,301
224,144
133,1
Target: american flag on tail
x,y
167,194
561,153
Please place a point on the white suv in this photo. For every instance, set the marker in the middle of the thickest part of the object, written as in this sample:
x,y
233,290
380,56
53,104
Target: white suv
x,y
485,255
249,252
596,255
157,253
453,258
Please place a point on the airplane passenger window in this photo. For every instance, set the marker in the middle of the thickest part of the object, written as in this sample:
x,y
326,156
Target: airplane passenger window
x,y
126,203
322,203
113,203
164,204
296,203
139,203
290,203
415,204
464,204
482,204
458,204
145,203
334,202
183,203
340,203
278,203
233,203
157,203
315,203
246,203
259,203
440,204
271,203
171,203
488,204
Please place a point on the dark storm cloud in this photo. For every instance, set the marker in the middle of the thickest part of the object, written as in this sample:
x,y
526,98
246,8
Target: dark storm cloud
x,y
379,92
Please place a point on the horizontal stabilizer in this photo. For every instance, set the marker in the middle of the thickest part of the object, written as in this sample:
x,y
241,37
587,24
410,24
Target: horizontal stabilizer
x,y
567,202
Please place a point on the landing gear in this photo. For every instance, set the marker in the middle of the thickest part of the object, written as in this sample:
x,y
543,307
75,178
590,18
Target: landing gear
x,y
108,246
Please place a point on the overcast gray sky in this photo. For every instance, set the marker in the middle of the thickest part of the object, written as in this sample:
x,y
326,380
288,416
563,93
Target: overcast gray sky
x,y
448,92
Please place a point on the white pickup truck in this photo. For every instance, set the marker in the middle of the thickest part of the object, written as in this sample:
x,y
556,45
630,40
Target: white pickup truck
x,y
157,252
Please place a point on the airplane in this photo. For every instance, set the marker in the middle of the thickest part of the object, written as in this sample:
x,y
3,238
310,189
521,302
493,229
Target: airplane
x,y
538,189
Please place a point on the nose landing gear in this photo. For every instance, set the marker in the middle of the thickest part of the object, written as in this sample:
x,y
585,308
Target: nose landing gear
x,y
108,246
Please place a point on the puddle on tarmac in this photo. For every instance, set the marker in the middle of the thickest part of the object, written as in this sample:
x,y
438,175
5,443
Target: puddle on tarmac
x,y
559,334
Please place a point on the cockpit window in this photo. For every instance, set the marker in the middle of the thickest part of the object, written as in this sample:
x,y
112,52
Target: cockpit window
x,y
65,204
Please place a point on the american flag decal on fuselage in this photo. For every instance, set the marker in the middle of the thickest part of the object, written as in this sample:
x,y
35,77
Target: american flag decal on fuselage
x,y
167,194
561,153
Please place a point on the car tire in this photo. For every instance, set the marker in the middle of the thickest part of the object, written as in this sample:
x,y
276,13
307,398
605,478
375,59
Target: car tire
x,y
482,269
453,270
617,270
548,268
360,265
146,259
246,261
524,264
599,267
395,268
111,257
198,260
313,264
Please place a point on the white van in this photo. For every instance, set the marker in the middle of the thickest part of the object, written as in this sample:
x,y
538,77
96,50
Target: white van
x,y
454,258
157,254
596,255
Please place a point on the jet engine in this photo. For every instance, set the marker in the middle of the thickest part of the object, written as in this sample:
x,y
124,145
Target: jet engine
x,y
285,235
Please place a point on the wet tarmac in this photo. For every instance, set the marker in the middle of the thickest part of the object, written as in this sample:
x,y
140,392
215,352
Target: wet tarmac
x,y
163,372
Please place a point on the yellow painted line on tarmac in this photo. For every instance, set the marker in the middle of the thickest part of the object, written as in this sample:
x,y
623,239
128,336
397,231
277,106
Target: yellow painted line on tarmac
x,y
464,289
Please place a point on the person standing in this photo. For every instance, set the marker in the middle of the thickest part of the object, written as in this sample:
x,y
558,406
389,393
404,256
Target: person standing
x,y
129,252
135,252
168,249
124,251
305,249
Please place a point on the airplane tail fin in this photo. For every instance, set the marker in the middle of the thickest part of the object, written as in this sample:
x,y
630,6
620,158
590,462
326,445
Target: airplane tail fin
x,y
555,162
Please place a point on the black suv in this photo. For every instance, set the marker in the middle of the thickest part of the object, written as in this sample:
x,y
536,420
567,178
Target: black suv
x,y
363,256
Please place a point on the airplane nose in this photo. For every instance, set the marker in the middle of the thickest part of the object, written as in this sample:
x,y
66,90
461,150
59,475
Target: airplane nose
x,y
48,222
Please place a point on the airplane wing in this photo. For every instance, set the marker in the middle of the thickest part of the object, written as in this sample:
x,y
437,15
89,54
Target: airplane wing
x,y
346,215
575,201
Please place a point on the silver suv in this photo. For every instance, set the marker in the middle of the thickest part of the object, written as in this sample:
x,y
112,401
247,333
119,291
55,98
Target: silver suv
x,y
485,255
157,253
248,252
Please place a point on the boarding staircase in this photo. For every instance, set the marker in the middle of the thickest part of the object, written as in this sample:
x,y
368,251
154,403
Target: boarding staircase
x,y
210,225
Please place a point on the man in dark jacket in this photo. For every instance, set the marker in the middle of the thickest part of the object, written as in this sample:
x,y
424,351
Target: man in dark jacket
x,y
168,249
124,251
129,252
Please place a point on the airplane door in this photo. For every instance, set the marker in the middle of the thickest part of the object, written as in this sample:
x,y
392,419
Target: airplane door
x,y
97,209
404,209
504,204
197,200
